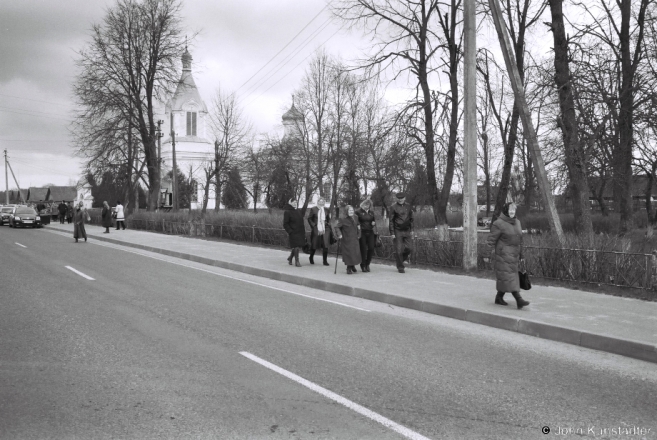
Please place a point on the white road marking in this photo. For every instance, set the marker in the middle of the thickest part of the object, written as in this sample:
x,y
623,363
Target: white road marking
x,y
80,273
21,245
408,433
228,276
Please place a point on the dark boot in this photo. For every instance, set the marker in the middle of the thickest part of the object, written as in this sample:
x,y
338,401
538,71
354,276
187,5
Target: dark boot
x,y
349,271
367,268
362,268
312,256
289,259
296,257
499,299
521,302
325,257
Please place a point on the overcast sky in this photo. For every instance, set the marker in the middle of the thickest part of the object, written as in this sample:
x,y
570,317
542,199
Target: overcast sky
x,y
40,39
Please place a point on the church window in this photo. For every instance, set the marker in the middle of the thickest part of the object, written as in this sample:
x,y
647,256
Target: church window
x,y
191,123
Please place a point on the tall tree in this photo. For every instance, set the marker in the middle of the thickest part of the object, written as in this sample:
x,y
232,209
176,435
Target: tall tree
x,y
232,133
575,159
132,61
410,36
234,195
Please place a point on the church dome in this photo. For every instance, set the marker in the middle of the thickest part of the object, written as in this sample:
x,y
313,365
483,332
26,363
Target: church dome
x,y
292,114
186,91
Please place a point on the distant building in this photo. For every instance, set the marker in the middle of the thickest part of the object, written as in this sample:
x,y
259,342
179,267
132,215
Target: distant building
x,y
84,194
37,195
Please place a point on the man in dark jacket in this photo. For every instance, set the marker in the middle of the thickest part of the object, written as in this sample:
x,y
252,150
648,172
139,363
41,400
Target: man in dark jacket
x,y
61,208
401,229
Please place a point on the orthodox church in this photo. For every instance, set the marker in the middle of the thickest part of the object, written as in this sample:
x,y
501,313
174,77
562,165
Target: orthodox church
x,y
186,116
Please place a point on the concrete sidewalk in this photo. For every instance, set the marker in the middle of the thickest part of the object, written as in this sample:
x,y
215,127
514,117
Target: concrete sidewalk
x,y
616,325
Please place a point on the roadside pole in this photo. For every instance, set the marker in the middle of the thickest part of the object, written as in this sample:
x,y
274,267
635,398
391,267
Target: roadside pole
x,y
6,180
525,116
470,138
175,171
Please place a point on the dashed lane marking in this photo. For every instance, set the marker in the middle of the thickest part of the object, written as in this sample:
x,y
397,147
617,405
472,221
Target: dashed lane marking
x,y
80,273
406,432
23,246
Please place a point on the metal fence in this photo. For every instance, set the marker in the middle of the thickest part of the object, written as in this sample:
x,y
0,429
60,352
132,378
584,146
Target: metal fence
x,y
574,265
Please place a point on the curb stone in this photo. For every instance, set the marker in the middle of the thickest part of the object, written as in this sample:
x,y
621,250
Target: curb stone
x,y
609,344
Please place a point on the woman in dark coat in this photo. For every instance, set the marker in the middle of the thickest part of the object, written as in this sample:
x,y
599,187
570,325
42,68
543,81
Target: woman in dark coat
x,y
348,230
70,212
106,216
368,233
321,236
506,240
293,225
81,216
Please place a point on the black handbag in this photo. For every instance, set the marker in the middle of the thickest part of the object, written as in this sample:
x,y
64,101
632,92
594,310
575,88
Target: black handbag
x,y
377,241
523,275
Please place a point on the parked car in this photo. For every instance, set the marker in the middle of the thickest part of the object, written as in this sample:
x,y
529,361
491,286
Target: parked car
x,y
23,217
5,213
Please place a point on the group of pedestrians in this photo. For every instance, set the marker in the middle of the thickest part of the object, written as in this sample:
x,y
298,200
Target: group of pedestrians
x,y
65,211
357,234
81,217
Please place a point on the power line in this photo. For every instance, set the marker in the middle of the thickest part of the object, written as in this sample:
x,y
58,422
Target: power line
x,y
25,113
287,59
288,43
30,99
284,76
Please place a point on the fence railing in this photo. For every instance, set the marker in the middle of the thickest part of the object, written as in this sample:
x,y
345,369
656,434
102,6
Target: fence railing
x,y
620,269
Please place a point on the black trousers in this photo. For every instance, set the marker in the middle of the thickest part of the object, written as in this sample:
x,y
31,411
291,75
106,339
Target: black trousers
x,y
366,247
120,223
402,247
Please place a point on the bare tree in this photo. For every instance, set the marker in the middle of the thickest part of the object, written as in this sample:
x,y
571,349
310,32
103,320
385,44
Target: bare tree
x,y
411,36
232,133
131,61
619,29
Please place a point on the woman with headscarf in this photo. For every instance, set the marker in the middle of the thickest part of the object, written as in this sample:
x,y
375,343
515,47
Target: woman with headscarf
x,y
293,225
106,216
81,216
368,232
348,231
505,239
320,234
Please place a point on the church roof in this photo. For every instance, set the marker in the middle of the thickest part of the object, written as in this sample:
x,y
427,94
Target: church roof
x,y
292,114
186,90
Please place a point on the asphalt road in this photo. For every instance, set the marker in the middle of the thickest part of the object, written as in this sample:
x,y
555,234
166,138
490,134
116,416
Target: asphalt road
x,y
156,348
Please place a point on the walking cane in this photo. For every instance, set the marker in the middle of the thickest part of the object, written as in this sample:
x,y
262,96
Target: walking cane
x,y
336,258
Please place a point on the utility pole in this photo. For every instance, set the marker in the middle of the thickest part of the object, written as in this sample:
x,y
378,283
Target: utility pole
x,y
20,194
6,180
525,116
159,155
175,170
470,138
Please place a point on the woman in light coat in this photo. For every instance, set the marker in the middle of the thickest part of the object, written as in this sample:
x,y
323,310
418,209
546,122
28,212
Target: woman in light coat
x,y
348,231
120,215
506,241
320,233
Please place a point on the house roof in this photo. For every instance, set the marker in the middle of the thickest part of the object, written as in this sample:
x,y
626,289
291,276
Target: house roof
x,y
14,196
638,186
35,194
59,193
